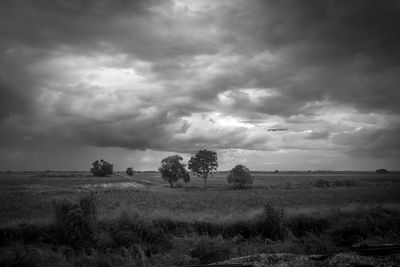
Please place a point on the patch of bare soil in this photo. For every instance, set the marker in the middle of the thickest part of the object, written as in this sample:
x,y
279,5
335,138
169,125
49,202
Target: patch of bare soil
x,y
339,260
124,185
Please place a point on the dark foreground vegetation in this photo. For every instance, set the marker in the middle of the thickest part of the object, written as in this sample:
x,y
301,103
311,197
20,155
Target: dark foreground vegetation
x,y
160,226
77,237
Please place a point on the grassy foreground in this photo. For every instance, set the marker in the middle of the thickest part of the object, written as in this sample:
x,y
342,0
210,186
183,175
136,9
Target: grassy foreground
x,y
58,220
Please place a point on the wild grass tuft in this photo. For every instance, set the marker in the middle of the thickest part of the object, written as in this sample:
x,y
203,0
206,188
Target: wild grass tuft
x,y
272,223
75,221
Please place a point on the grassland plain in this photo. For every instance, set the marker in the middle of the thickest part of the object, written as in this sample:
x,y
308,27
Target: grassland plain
x,y
321,213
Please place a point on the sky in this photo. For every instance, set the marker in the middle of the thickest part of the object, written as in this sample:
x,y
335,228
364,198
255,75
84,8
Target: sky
x,y
287,85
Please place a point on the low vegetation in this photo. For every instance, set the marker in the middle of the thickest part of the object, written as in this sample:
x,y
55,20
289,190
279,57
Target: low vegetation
x,y
158,226
129,171
240,177
102,168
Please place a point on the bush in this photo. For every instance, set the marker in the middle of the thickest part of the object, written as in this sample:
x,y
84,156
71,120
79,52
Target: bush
x,y
382,171
339,183
130,171
240,177
102,168
321,183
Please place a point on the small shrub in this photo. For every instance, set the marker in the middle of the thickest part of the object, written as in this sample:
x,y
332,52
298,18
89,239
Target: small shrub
x,y
346,182
240,177
129,171
321,183
382,171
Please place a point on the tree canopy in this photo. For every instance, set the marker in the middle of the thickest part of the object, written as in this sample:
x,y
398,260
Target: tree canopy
x,y
130,171
240,176
172,170
203,163
102,168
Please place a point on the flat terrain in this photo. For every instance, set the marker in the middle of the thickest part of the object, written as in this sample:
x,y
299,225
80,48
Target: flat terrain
x,y
27,197
141,221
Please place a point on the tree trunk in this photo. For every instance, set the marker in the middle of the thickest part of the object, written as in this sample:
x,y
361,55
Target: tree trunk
x,y
170,184
205,181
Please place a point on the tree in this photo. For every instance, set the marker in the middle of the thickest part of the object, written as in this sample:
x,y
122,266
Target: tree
x,y
204,163
102,168
173,170
382,171
130,171
240,176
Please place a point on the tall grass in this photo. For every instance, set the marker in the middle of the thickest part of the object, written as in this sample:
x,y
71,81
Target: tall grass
x,y
191,226
74,222
142,240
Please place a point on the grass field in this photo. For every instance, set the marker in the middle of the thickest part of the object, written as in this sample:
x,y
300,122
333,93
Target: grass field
x,y
317,212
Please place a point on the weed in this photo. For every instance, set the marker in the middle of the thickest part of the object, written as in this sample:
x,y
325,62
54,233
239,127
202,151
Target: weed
x,y
272,223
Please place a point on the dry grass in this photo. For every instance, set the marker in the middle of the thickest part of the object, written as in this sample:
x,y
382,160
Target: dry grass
x,y
187,225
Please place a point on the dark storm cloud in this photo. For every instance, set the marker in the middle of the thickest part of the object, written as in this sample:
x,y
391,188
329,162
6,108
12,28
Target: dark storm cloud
x,y
371,142
79,24
346,51
318,135
255,60
122,26
10,101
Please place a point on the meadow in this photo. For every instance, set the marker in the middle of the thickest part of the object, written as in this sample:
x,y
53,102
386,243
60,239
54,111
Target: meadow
x,y
141,221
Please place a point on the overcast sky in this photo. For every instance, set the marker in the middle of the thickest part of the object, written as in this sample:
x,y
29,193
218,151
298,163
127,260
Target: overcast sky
x,y
288,85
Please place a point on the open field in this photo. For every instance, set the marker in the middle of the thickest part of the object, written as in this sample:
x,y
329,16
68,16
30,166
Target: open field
x,y
323,212
27,197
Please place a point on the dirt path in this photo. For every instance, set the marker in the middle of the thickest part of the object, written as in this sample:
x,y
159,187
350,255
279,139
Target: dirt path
x,y
341,259
133,179
113,185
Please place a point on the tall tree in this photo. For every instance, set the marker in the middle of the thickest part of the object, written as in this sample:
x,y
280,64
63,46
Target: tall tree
x,y
204,163
173,170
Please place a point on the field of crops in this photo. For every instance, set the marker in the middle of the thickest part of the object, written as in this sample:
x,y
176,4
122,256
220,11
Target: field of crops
x,y
317,212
